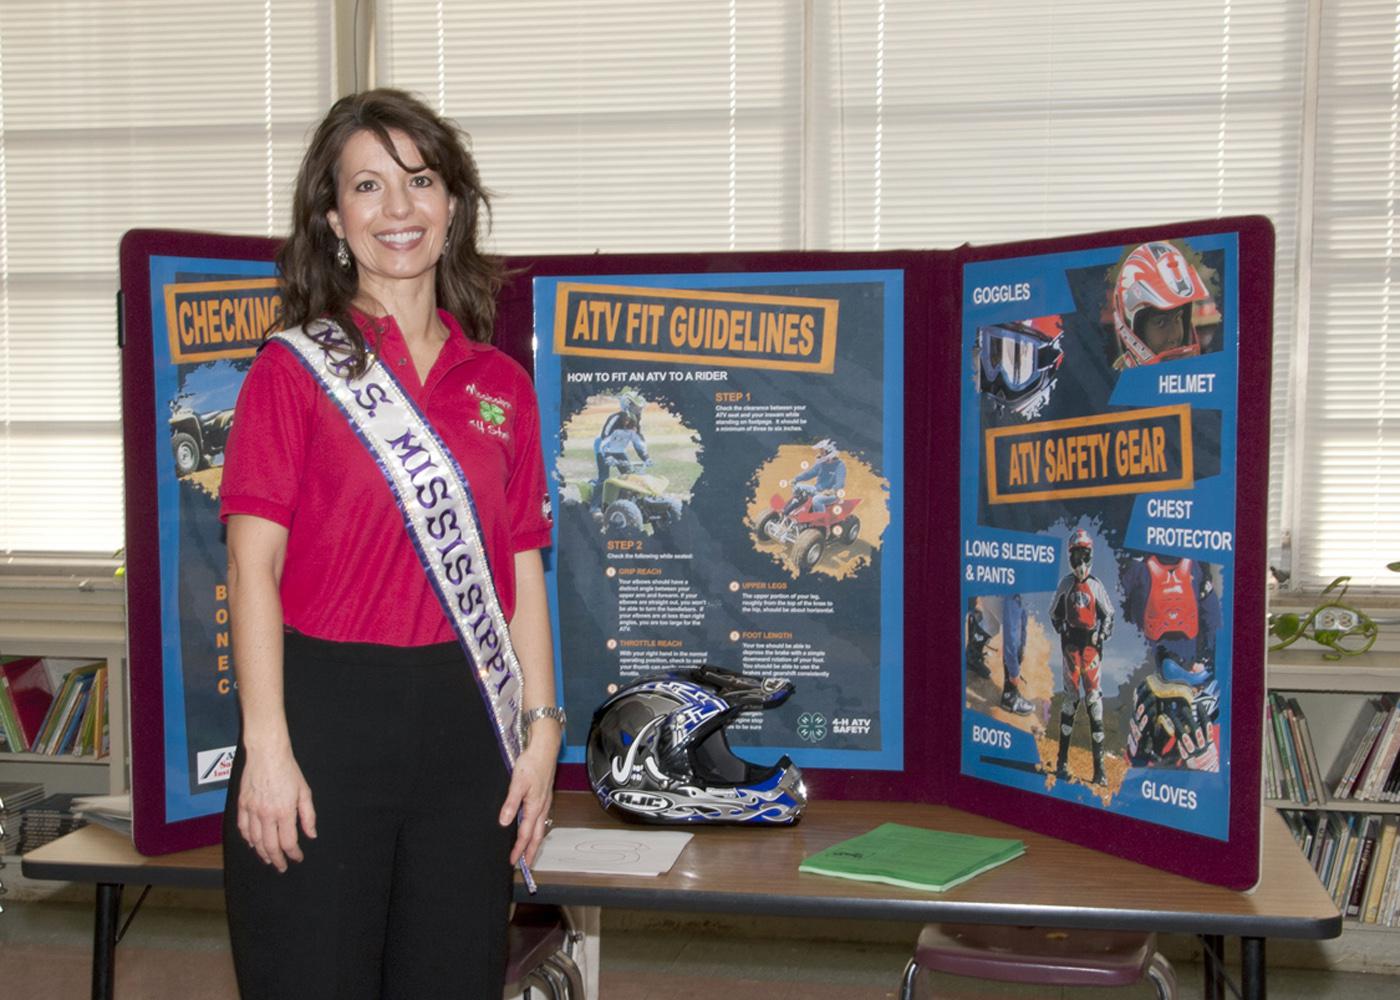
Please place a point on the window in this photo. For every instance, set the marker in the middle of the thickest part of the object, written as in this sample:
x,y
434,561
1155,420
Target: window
x,y
865,124
1347,424
624,126
112,117
617,126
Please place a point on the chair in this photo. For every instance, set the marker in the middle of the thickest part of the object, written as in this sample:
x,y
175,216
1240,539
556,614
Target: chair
x,y
1043,955
540,956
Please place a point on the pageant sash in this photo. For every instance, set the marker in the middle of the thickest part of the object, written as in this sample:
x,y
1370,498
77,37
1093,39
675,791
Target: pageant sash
x,y
435,499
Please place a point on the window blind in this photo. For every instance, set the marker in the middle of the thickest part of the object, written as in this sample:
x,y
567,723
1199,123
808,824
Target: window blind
x,y
1349,433
147,113
616,126
945,123
862,124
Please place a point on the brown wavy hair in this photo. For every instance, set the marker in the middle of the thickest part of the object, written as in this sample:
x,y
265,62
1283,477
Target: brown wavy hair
x,y
314,286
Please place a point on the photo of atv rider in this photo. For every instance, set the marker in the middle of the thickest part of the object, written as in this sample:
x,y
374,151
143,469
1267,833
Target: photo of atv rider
x,y
621,430
1082,614
1175,712
828,475
623,499
818,519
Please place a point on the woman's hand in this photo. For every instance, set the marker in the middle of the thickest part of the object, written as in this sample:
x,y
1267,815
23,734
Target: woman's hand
x,y
272,797
532,791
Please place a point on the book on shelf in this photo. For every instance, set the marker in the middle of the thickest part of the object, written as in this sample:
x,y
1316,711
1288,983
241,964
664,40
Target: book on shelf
x,y
25,696
1390,893
1372,753
1343,857
1278,743
83,744
1291,713
1357,859
1382,760
1317,789
1388,783
1377,712
74,741
1385,846
1294,755
1365,855
60,726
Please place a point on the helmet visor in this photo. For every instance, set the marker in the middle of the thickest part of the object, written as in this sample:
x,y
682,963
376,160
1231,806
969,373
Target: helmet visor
x,y
1079,556
1013,359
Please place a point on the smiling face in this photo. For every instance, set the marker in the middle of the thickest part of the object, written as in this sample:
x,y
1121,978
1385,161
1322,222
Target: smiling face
x,y
394,220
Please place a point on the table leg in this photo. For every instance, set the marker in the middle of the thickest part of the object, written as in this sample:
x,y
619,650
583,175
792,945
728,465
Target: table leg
x,y
588,921
1252,972
106,913
1213,961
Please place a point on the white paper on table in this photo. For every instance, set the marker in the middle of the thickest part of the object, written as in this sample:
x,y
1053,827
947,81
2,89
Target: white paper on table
x,y
610,852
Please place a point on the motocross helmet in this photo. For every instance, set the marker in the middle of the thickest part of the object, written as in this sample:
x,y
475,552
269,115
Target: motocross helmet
x,y
1017,363
825,449
630,402
1081,553
657,752
1155,276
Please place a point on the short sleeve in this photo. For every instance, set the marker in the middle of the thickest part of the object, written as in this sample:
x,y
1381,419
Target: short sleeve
x,y
526,494
268,440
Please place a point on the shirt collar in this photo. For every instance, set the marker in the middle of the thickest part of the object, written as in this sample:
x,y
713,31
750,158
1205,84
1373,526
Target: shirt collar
x,y
376,328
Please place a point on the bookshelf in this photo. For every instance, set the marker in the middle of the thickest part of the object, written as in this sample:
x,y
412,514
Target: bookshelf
x,y
79,618
1335,700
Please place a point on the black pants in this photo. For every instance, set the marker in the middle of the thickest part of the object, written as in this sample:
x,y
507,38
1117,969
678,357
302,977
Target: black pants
x,y
404,892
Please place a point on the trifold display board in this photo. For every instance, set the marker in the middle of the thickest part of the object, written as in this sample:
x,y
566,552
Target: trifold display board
x,y
998,513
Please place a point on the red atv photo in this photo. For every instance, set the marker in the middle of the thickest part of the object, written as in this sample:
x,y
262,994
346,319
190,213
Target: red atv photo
x,y
806,530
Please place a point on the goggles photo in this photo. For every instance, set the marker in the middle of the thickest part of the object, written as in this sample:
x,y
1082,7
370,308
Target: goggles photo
x,y
1080,557
1014,359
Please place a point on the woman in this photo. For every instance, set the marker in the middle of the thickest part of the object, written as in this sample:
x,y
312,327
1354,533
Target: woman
x,y
368,833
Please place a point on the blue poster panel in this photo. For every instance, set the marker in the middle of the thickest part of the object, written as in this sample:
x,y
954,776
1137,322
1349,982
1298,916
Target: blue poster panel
x,y
1098,516
726,455
208,317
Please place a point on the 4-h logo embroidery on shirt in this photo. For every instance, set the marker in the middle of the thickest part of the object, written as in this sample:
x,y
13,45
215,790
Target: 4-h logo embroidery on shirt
x,y
492,413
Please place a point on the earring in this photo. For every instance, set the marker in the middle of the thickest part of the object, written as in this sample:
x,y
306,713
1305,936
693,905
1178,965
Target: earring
x,y
446,242
342,255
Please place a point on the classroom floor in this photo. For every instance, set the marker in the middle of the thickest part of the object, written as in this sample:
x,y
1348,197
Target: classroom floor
x,y
45,952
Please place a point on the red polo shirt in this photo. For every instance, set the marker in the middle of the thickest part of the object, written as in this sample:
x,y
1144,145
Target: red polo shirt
x,y
351,573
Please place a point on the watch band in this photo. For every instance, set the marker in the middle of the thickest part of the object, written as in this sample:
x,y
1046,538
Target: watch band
x,y
555,712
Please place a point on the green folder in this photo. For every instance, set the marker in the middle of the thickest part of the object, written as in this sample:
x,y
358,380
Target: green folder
x,y
913,857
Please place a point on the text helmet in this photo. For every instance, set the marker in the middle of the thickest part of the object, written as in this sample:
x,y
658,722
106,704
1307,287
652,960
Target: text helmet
x,y
657,751
1155,276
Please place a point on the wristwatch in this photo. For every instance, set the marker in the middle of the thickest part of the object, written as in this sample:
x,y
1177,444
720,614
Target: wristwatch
x,y
555,712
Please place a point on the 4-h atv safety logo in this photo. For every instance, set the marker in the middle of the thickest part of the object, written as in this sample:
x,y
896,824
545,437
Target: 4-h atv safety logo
x,y
811,726
492,412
